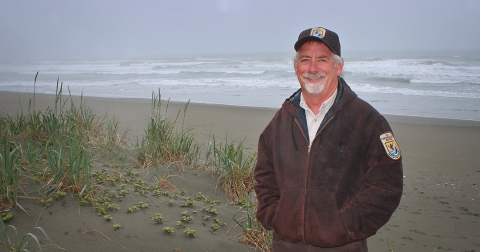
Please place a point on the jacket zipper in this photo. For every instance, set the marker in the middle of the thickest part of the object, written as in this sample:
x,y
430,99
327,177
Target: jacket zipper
x,y
306,174
305,188
318,132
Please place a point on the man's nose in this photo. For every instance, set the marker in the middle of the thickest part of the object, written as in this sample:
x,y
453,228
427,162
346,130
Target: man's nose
x,y
313,68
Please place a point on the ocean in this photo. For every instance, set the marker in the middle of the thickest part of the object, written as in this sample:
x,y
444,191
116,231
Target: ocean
x,y
439,85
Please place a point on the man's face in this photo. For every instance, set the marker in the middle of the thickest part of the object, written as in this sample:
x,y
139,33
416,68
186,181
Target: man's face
x,y
316,68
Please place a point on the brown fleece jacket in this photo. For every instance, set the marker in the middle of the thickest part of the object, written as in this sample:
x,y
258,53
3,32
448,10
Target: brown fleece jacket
x,y
342,188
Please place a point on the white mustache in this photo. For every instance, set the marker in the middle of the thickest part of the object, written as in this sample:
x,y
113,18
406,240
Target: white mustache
x,y
313,76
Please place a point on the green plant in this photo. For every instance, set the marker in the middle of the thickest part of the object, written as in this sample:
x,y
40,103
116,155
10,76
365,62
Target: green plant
x,y
187,218
180,224
6,216
142,204
108,217
157,192
132,209
46,202
168,230
188,202
59,194
217,220
191,233
158,218
116,226
103,176
183,192
210,209
215,227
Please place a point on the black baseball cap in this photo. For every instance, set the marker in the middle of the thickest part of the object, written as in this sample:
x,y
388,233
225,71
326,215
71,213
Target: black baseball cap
x,y
329,38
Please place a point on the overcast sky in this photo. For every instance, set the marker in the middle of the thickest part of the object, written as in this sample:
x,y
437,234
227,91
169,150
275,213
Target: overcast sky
x,y
106,29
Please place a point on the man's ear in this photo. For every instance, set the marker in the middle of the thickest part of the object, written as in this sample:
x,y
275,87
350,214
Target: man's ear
x,y
340,68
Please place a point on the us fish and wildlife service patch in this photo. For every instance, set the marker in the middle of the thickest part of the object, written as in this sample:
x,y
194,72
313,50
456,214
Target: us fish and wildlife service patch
x,y
390,145
318,32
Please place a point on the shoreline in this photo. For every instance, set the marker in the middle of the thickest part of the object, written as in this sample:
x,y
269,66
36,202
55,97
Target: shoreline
x,y
410,119
440,203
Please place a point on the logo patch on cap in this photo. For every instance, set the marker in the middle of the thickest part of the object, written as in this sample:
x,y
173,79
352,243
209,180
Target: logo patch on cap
x,y
390,145
318,32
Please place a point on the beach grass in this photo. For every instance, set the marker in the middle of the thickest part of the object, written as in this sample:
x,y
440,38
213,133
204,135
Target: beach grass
x,y
13,241
10,154
235,167
163,143
60,145
57,148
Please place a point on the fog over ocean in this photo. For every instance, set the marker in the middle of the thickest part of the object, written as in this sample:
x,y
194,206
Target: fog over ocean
x,y
440,85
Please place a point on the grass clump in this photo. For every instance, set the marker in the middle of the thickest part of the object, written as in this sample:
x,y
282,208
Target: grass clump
x,y
235,167
163,143
56,147
253,232
10,169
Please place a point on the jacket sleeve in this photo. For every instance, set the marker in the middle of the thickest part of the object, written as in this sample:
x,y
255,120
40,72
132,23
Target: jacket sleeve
x,y
373,207
266,186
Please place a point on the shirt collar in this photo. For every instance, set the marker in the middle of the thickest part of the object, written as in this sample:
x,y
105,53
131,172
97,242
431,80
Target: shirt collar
x,y
323,108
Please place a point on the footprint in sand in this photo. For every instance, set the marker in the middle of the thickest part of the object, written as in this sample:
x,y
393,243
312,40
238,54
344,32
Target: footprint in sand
x,y
417,232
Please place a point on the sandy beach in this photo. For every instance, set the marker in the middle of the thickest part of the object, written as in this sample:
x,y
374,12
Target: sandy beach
x,y
440,204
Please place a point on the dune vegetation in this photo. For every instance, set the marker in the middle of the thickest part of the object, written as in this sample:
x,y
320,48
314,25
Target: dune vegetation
x,y
56,149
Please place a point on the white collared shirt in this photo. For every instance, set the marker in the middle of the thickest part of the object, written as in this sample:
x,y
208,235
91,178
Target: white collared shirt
x,y
314,121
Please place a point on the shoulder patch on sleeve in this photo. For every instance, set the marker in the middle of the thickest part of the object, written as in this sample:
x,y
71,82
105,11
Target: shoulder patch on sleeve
x,y
390,145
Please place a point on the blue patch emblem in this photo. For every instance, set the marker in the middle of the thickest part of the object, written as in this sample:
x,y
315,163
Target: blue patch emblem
x,y
318,32
390,145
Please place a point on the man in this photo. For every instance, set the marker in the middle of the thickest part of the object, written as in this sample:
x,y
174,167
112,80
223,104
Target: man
x,y
329,171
